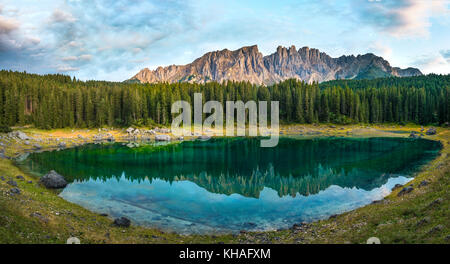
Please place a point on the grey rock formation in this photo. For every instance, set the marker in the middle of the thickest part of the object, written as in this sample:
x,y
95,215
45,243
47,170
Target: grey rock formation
x,y
19,135
53,180
248,64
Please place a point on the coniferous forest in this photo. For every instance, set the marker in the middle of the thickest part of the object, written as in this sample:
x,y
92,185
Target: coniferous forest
x,y
58,101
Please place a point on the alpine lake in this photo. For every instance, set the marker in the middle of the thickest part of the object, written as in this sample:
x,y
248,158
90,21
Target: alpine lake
x,y
224,185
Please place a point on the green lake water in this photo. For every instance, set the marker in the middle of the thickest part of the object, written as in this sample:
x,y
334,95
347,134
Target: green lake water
x,y
231,184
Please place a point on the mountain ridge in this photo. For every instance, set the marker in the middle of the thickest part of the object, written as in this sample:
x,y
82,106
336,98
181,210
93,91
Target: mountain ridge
x,y
249,64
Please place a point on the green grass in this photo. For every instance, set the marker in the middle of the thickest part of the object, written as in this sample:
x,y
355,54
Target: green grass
x,y
406,219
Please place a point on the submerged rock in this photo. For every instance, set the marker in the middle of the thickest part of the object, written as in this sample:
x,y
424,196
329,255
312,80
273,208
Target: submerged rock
x,y
122,222
132,145
204,137
53,180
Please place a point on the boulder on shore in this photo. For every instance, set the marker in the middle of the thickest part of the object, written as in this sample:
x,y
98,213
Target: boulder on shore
x,y
122,222
22,136
431,131
414,135
53,180
37,146
405,191
162,138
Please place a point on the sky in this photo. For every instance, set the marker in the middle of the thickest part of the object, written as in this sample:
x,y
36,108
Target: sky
x,y
114,39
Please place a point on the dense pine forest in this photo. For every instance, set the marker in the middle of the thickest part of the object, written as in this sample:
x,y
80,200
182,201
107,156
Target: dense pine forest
x,y
57,101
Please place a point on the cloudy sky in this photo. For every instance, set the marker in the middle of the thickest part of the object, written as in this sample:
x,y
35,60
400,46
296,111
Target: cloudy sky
x,y
114,39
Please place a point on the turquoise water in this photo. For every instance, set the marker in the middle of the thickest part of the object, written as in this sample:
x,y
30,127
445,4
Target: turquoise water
x,y
230,184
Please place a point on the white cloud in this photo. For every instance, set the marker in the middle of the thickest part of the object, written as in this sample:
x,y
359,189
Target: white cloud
x,y
66,68
403,18
73,44
7,25
85,57
435,63
60,16
70,58
381,49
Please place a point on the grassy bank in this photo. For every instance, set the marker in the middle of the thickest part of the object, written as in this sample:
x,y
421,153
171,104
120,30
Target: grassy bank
x,y
38,215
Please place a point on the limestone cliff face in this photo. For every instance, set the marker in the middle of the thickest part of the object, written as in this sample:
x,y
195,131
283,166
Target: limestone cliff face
x,y
248,64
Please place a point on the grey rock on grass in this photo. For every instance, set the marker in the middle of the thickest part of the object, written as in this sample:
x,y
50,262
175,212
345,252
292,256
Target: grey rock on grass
x,y
122,222
431,131
12,183
405,191
14,190
397,186
53,180
162,138
423,183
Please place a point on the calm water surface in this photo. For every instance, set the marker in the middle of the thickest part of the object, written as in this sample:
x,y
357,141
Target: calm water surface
x,y
230,184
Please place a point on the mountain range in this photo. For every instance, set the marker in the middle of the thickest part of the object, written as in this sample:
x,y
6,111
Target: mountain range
x,y
249,64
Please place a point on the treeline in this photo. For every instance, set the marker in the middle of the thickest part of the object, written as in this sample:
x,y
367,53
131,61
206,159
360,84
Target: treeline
x,y
57,101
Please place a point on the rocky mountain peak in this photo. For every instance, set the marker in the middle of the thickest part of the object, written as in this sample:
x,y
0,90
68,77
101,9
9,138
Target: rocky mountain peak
x,y
249,64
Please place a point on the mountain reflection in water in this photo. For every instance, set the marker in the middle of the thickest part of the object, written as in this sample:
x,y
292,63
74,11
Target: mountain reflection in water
x,y
240,166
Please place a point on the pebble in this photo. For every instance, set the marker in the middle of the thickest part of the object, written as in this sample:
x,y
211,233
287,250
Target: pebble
x,y
436,202
12,183
435,229
423,183
405,191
